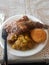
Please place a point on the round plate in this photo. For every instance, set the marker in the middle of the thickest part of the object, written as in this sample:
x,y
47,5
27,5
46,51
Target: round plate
x,y
33,51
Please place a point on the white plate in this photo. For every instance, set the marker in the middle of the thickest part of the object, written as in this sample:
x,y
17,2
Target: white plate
x,y
33,51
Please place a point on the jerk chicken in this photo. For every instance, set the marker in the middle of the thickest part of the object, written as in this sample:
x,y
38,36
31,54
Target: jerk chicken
x,y
23,25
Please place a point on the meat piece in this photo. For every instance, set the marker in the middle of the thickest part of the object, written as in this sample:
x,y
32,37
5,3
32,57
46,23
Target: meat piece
x,y
24,18
28,25
23,25
7,27
40,25
11,37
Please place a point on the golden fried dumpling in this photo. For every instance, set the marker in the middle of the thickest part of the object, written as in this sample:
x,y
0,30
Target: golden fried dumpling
x,y
38,35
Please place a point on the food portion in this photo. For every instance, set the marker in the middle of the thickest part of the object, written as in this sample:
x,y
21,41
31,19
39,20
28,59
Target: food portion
x,y
11,38
24,33
23,25
23,42
38,35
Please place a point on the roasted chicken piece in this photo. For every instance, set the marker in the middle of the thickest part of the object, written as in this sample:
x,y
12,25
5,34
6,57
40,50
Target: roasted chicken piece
x,y
23,25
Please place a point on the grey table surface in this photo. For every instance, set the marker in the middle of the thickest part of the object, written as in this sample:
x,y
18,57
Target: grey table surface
x,y
37,8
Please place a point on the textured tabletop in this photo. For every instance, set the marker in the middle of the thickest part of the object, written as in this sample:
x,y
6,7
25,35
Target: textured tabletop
x,y
37,8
